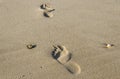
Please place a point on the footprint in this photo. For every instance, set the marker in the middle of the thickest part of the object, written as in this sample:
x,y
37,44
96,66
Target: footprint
x,y
47,10
63,56
47,6
48,14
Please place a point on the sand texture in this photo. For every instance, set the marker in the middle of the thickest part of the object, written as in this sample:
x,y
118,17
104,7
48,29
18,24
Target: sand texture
x,y
84,27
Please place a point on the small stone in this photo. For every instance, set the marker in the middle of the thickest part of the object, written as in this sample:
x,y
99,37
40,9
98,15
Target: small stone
x,y
31,46
109,45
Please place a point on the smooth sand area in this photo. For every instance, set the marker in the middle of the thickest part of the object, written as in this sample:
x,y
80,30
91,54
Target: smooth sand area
x,y
82,26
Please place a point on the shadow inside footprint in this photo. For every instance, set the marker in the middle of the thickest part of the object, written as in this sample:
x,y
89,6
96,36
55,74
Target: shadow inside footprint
x,y
55,56
61,54
69,56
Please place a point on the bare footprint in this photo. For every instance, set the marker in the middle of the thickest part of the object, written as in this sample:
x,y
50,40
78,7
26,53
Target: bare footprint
x,y
47,6
62,55
48,14
47,10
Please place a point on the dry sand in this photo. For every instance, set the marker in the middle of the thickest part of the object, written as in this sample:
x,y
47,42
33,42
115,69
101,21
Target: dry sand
x,y
80,25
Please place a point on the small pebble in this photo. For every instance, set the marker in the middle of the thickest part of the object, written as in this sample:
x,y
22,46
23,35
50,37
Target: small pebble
x,y
31,46
109,45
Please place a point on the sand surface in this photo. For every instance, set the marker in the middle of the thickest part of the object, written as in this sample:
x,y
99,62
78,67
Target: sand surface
x,y
80,25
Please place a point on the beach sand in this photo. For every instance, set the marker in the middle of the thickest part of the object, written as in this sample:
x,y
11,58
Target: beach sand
x,y
82,26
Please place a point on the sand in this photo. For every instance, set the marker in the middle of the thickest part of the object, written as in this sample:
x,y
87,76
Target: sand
x,y
82,26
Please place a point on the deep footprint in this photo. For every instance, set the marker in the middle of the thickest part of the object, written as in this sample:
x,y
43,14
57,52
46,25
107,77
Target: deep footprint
x,y
62,55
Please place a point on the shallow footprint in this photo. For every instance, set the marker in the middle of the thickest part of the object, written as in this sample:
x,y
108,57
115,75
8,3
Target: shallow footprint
x,y
62,55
